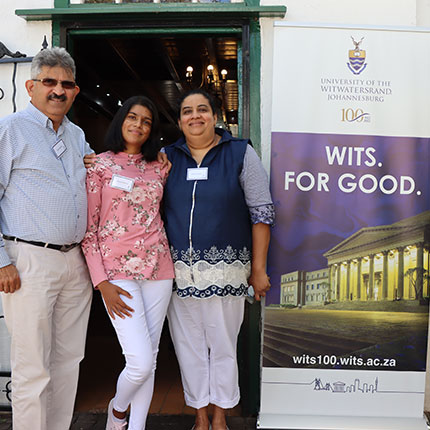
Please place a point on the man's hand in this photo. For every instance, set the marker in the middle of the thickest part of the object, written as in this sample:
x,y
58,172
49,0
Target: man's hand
x,y
162,158
89,160
9,279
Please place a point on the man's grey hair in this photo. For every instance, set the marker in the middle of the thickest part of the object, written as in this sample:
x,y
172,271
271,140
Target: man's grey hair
x,y
52,57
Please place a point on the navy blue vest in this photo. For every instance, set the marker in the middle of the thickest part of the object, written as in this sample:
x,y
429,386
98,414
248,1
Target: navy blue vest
x,y
207,221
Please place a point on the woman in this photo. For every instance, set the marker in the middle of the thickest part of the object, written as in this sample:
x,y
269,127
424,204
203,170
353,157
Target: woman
x,y
218,210
127,251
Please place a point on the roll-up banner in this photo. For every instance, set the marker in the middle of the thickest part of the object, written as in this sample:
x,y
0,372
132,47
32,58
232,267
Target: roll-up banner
x,y
346,320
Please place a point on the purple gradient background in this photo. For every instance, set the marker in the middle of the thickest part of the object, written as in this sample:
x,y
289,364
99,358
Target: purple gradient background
x,y
310,223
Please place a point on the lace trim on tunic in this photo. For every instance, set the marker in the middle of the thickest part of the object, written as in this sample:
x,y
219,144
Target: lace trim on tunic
x,y
211,291
213,255
203,279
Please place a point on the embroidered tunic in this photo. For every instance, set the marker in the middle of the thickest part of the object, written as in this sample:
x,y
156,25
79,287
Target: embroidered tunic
x,y
125,237
208,221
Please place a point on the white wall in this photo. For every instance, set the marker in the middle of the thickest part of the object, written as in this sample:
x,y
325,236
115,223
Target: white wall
x,y
339,12
19,35
376,12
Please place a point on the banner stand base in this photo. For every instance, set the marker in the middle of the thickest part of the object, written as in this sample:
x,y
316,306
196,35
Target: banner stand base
x,y
319,422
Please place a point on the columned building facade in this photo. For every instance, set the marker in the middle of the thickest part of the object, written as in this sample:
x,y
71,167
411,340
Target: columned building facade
x,y
388,262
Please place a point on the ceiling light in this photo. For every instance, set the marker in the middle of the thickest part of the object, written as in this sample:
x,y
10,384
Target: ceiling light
x,y
189,74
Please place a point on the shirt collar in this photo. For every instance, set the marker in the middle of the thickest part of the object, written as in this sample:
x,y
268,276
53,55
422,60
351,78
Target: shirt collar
x,y
42,119
225,135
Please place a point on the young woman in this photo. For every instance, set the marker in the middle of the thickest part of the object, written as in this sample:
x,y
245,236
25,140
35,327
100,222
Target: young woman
x,y
218,210
127,251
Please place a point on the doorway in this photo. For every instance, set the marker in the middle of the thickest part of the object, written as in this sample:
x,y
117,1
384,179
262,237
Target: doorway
x,y
110,69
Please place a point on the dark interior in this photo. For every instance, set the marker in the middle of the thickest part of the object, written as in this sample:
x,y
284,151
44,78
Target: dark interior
x,y
110,70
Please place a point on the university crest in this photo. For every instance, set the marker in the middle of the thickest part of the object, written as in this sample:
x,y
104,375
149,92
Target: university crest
x,y
357,58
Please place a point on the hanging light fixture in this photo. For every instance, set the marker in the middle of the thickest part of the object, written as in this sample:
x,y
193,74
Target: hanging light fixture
x,y
223,75
210,76
189,74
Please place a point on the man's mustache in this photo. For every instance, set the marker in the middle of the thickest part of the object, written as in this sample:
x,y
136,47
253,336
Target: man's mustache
x,y
61,97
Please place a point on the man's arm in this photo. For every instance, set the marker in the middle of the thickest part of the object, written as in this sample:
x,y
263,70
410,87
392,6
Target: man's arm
x,y
9,277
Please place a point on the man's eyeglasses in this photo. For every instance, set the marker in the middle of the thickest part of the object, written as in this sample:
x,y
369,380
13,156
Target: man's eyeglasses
x,y
50,82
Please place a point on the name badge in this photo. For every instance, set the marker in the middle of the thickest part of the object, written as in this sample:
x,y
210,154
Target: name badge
x,y
197,173
59,148
122,183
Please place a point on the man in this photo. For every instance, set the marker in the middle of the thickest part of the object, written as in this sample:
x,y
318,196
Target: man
x,y
46,290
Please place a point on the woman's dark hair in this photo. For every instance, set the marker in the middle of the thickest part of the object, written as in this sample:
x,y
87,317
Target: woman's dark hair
x,y
206,95
114,141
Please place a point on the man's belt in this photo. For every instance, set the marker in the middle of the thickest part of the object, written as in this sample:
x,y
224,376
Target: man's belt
x,y
62,248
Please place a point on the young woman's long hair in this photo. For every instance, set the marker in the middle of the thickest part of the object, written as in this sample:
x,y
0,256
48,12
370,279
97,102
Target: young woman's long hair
x,y
115,142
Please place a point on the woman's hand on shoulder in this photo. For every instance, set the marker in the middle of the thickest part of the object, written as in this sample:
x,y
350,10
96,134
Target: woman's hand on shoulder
x,y
112,297
165,163
89,160
260,283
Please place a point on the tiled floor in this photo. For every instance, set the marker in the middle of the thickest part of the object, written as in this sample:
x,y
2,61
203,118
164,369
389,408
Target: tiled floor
x,y
97,421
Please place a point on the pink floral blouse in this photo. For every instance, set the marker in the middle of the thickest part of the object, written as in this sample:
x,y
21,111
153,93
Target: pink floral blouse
x,y
125,236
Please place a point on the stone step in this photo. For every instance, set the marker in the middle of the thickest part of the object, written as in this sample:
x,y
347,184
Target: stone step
x,y
282,343
290,335
299,347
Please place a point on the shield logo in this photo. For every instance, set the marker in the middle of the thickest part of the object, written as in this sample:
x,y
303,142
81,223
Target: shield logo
x,y
356,61
357,58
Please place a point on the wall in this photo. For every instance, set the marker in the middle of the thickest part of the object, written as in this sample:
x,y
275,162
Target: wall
x,y
338,12
26,37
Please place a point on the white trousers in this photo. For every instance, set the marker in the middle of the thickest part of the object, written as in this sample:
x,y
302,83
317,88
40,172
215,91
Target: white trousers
x,y
139,336
47,319
204,333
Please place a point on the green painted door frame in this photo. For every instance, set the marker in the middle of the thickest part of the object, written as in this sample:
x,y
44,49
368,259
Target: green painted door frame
x,y
65,27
